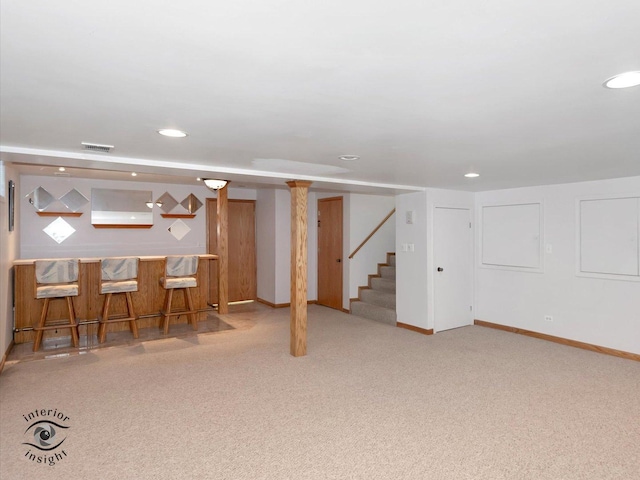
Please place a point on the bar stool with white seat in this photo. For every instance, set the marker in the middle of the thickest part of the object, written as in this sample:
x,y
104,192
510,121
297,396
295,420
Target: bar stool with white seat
x,y
118,276
57,280
180,274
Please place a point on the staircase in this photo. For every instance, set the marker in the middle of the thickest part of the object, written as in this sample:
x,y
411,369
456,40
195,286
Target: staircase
x,y
378,300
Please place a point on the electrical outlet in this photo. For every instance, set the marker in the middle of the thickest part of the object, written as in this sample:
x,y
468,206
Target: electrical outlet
x,y
548,318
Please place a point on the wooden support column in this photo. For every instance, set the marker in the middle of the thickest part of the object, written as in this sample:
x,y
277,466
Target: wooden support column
x,y
222,231
299,194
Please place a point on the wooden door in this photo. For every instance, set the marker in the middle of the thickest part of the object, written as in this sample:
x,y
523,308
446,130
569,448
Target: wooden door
x,y
453,245
242,249
330,252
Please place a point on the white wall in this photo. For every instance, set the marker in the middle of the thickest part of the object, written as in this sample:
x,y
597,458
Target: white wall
x,y
9,243
282,252
266,244
593,310
411,267
273,232
88,241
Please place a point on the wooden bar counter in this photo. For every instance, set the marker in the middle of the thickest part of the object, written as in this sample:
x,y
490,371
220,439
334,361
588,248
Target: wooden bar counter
x,y
147,301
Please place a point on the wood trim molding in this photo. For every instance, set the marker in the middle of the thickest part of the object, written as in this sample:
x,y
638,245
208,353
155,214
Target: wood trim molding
x,y
281,305
178,215
413,328
560,340
59,214
6,354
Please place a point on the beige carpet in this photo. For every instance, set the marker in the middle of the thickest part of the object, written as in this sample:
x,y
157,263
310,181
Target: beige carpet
x,y
369,401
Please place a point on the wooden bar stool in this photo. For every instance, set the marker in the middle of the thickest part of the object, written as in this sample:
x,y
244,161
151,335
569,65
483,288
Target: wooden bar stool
x,y
118,275
57,279
179,274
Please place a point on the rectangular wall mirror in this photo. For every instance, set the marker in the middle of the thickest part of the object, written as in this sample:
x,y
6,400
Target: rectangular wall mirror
x,y
112,208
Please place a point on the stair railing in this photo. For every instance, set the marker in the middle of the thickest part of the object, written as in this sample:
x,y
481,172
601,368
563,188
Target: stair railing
x,y
372,233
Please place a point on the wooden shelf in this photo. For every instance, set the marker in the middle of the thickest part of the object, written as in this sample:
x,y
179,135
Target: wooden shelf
x,y
178,215
59,214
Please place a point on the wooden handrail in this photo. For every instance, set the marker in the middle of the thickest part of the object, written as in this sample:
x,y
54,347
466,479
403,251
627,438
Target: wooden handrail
x,y
372,233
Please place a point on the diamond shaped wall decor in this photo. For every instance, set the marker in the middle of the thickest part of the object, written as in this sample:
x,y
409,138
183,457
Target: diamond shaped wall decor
x,y
179,229
59,230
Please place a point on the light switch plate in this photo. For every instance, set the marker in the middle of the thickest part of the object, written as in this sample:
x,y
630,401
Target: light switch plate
x,y
410,217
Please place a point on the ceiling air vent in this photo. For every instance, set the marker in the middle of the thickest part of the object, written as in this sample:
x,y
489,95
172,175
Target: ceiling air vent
x,y
96,147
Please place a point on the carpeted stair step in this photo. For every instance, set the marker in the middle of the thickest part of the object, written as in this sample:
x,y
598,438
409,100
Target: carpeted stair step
x,y
387,271
391,259
384,284
374,312
379,297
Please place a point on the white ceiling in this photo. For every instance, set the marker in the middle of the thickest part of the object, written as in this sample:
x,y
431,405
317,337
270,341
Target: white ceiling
x,y
423,91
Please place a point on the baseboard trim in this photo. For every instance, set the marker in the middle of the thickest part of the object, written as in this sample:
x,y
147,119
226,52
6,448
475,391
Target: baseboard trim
x,y
423,331
560,340
281,305
346,310
6,354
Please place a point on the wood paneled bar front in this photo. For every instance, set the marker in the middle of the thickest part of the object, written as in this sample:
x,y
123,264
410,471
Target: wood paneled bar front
x,y
147,301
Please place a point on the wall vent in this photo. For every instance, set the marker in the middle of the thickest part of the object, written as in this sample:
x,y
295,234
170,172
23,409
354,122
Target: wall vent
x,y
96,147
62,174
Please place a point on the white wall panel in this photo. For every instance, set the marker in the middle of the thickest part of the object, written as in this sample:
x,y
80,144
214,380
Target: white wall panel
x,y
609,236
512,235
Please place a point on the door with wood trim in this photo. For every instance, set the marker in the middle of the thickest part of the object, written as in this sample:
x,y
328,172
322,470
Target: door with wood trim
x,y
242,249
330,252
453,276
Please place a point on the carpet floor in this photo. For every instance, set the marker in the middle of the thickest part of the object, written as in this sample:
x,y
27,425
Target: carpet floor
x,y
369,401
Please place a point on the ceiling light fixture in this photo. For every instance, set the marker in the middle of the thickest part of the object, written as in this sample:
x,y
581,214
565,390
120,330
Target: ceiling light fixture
x,y
173,133
471,175
134,174
214,184
623,80
349,158
61,169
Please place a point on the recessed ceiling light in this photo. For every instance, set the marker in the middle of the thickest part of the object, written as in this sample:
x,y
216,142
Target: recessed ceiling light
x,y
349,158
623,80
471,175
170,132
61,169
134,174
198,179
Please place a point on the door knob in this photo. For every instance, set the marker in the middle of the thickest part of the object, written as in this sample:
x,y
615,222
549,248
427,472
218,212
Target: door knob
x,y
339,260
440,269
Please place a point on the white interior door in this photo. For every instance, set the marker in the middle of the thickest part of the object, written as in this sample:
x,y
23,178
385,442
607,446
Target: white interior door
x,y
453,268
